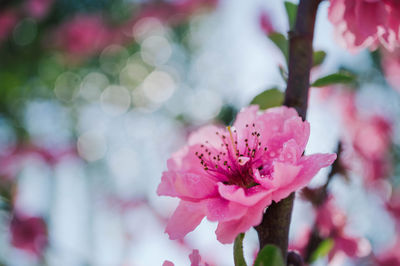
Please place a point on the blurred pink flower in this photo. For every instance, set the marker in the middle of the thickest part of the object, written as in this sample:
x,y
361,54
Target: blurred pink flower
x,y
366,23
84,35
366,137
393,206
300,243
329,218
391,67
12,162
265,23
195,260
331,222
171,12
375,131
390,257
8,19
189,7
168,263
371,140
38,8
231,175
28,233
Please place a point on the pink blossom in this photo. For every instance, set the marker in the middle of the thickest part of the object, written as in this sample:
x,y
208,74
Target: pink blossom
x,y
374,130
331,222
12,162
366,23
8,19
38,8
300,243
188,7
366,137
390,257
28,233
391,67
371,140
172,12
168,263
195,260
230,175
84,35
393,206
266,24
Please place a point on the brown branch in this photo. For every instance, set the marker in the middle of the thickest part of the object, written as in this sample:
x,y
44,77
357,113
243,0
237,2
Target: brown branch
x,y
274,228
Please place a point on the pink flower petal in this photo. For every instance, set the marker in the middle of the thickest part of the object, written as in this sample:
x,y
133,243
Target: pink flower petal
x,y
185,219
284,180
311,166
282,124
219,209
168,263
246,116
238,194
289,178
195,258
361,23
187,186
227,231
207,133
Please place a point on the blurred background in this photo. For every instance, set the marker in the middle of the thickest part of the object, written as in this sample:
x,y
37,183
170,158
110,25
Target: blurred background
x,y
96,94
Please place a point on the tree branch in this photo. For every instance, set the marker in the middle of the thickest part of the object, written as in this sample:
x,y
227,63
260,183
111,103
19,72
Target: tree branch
x,y
274,228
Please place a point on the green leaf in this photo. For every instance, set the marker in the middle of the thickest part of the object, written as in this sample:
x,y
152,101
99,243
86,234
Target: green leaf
x,y
318,58
238,251
323,249
336,78
291,11
283,72
269,98
227,114
270,255
281,42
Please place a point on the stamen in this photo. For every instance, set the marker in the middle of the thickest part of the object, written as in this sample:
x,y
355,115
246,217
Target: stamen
x,y
232,140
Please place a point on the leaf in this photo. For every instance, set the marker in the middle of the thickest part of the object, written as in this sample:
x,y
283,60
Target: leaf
x,y
336,78
323,249
270,255
269,98
238,251
227,114
283,73
318,58
281,42
291,11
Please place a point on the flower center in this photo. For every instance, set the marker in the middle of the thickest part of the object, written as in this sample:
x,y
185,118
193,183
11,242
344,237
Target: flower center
x,y
233,158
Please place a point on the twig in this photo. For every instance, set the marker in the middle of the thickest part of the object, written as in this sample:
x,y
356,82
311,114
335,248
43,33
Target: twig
x,y
274,228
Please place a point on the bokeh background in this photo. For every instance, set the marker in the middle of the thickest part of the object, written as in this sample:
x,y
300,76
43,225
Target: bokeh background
x,y
95,95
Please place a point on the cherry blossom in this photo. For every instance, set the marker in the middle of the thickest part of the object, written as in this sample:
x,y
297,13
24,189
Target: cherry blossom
x,y
230,175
